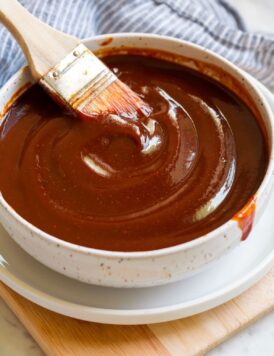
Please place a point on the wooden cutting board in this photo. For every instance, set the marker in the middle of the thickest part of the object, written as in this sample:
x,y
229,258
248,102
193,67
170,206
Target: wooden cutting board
x,y
60,335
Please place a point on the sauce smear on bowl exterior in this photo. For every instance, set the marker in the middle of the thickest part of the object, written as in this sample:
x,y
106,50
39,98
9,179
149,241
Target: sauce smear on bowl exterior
x,y
201,158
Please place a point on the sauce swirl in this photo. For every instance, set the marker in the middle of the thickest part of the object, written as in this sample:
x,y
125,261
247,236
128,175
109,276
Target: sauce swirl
x,y
202,156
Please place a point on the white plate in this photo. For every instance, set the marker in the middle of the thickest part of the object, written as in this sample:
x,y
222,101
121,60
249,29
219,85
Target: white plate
x,y
223,280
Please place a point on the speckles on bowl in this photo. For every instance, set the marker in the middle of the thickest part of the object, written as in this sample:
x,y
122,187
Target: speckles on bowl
x,y
208,256
125,270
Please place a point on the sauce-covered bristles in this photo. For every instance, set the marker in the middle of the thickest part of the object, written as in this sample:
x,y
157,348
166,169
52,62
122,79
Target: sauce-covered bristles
x,y
116,99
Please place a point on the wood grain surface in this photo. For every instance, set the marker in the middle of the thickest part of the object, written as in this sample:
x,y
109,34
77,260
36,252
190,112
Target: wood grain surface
x,y
60,335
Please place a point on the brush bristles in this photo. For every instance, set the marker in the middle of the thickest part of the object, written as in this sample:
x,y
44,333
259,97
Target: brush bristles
x,y
117,99
84,84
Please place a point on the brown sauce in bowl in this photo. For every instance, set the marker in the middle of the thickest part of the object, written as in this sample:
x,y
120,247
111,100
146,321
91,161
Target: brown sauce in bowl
x,y
93,184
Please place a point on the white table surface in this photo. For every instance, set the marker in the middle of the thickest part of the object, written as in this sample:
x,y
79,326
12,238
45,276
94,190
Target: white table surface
x,y
257,340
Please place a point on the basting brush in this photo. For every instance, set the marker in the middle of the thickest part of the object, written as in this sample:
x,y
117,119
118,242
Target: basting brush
x,y
68,70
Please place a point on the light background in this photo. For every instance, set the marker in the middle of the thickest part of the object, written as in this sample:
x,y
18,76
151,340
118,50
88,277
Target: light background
x,y
257,340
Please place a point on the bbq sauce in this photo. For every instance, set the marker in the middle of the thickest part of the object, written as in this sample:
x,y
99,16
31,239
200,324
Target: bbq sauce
x,y
93,184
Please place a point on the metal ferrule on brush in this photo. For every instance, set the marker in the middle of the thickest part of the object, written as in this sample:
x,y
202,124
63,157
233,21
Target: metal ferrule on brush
x,y
80,75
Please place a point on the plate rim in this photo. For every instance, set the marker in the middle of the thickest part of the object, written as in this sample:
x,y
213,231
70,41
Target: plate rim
x,y
140,316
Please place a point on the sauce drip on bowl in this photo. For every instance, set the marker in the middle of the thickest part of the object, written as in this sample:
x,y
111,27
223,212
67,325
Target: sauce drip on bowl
x,y
93,184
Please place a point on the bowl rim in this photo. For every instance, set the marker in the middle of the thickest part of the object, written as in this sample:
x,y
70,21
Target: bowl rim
x,y
268,177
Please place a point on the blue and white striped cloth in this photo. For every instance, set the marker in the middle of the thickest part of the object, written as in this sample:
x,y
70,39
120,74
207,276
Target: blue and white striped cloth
x,y
211,23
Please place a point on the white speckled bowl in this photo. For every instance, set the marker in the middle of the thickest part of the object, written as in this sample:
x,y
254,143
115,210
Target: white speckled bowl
x,y
139,269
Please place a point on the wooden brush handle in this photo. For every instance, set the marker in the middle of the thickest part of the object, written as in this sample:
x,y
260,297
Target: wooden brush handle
x,y
42,45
